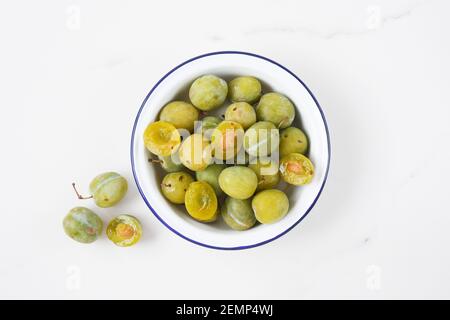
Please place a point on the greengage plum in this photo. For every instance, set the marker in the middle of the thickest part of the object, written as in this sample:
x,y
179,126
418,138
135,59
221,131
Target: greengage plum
x,y
296,169
108,189
238,182
276,108
261,139
124,230
267,173
201,202
170,163
241,112
208,92
83,225
211,175
162,138
175,185
238,214
181,114
270,205
244,89
227,139
195,152
293,140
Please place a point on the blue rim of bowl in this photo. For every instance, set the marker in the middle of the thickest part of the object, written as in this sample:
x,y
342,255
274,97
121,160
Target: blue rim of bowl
x,y
145,198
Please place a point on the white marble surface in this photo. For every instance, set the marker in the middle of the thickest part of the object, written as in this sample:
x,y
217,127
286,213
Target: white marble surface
x,y
73,74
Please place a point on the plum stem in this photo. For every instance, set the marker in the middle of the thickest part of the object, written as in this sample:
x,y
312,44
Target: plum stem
x,y
154,160
79,195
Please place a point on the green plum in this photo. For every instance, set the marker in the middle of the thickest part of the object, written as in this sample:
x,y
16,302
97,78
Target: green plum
x,y
181,114
124,230
276,108
196,152
208,92
108,189
207,126
211,175
226,139
170,163
244,89
267,173
238,182
261,139
270,205
210,122
293,140
296,169
238,214
83,225
162,138
242,113
175,185
201,202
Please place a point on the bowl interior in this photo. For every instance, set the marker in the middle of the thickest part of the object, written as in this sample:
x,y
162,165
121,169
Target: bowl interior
x,y
175,85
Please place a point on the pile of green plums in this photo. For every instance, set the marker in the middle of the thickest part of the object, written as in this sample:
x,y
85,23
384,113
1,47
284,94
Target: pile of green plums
x,y
83,225
198,150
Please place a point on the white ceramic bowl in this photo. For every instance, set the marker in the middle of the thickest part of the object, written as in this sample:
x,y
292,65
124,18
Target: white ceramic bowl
x,y
228,64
